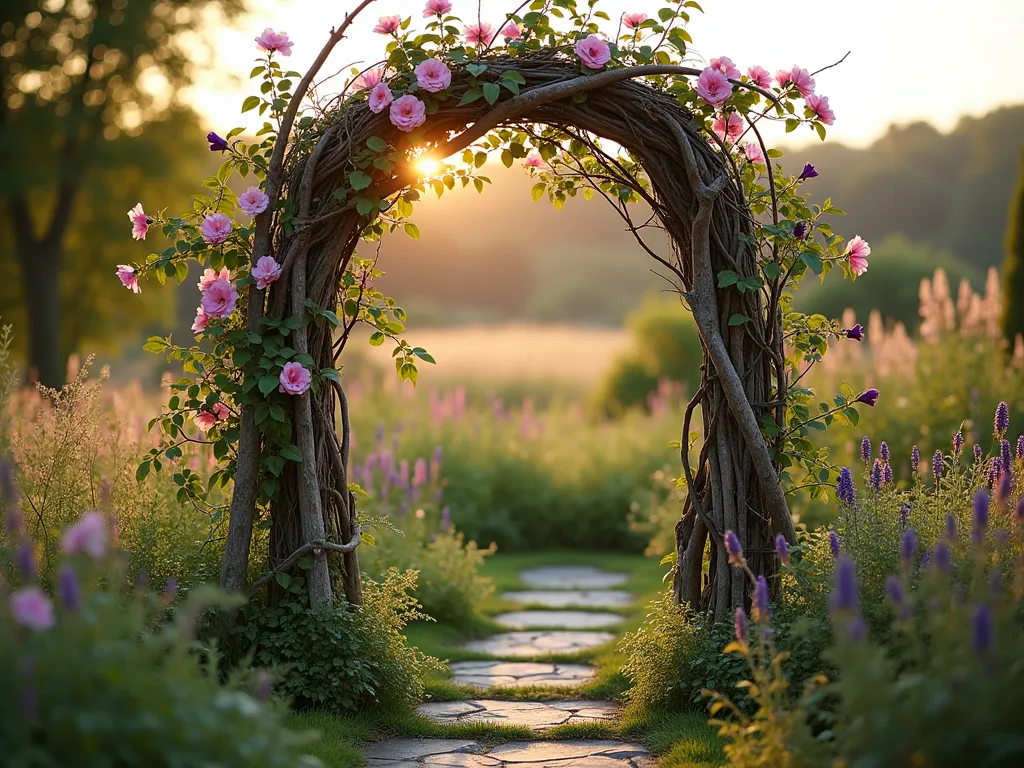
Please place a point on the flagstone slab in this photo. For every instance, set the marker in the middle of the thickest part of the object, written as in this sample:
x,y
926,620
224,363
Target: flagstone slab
x,y
534,714
538,642
405,753
517,674
558,619
572,598
570,577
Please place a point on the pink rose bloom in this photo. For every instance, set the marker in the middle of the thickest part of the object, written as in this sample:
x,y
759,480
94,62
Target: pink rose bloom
x,y
215,228
140,222
593,52
253,201
31,608
633,20
266,271
534,159
760,77
724,65
714,87
380,97
479,33
201,321
436,8
388,25
219,298
88,535
728,129
295,379
275,41
209,276
753,152
858,250
205,420
802,79
511,31
408,113
128,278
432,75
369,78
819,106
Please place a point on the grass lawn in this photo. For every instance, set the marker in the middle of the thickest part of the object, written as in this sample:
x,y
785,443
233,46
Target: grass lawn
x,y
682,739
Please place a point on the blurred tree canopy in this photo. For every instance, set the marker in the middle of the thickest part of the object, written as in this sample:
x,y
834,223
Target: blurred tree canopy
x,y
84,83
1013,265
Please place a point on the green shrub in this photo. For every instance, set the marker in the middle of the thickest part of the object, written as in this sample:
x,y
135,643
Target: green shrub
x,y
339,659
1013,265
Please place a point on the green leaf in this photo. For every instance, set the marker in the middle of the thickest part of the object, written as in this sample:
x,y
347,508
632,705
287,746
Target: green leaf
x,y
506,158
538,190
377,144
363,206
471,95
284,580
291,453
422,354
250,103
791,124
738,319
492,91
359,180
268,384
727,278
812,260
376,339
771,270
513,76
142,471
476,69
412,230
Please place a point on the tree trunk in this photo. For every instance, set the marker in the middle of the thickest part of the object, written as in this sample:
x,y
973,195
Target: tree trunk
x,y
40,270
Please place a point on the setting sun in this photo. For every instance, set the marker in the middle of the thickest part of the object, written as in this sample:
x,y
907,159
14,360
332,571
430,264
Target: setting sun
x,y
427,165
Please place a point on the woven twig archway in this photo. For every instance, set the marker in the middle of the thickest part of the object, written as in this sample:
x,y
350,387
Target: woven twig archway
x,y
694,192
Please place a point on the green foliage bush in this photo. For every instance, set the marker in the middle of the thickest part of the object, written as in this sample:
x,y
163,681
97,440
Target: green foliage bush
x,y
1013,265
339,659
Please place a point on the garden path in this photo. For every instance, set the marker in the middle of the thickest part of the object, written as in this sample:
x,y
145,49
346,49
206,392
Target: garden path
x,y
545,625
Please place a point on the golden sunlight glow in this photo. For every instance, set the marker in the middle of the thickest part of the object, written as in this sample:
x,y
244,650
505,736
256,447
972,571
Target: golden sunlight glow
x,y
427,165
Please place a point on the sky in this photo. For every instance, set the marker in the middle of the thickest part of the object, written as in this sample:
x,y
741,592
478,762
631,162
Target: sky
x,y
909,60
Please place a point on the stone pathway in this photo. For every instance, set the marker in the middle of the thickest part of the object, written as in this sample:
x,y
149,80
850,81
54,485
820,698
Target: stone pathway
x,y
535,633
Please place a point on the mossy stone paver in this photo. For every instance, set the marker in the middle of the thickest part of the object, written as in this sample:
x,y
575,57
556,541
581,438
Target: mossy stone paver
x,y
537,715
571,598
558,619
571,577
485,674
406,753
538,643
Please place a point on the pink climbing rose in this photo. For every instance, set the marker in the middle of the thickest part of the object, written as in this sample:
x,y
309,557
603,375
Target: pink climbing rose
x,y
369,78
511,31
128,278
633,20
88,535
271,41
728,128
436,8
266,271
31,608
253,201
479,34
295,379
714,87
408,113
219,298
858,251
209,276
215,228
593,52
760,77
819,106
388,25
534,159
801,78
380,97
724,65
140,222
206,419
432,75
753,153
201,321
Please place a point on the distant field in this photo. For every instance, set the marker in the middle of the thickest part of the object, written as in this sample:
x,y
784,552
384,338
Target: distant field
x,y
562,353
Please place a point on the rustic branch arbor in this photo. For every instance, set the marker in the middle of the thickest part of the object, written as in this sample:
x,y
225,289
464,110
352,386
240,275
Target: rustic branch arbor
x,y
696,193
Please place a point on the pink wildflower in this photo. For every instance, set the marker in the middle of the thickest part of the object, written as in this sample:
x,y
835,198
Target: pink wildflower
x,y
295,379
253,201
209,276
206,419
593,52
760,77
432,75
436,8
369,78
534,159
714,87
511,31
724,65
265,272
728,129
140,222
88,535
753,153
275,41
408,113
819,106
784,77
481,33
31,608
802,79
201,321
380,97
128,278
858,251
633,20
388,25
215,228
219,298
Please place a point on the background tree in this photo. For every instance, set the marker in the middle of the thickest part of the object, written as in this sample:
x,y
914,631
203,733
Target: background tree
x,y
1013,265
75,76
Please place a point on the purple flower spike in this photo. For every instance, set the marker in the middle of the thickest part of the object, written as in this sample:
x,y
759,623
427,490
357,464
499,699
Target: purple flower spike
x,y
865,448
938,465
958,444
217,143
894,591
978,453
908,546
171,590
782,548
8,490
981,502
735,550
68,590
995,469
1003,490
887,474
761,611
982,629
869,397
876,475
25,561
1002,420
446,518
844,487
1006,456
742,628
951,526
800,230
883,451
942,557
1020,447
809,172
844,595
856,333
833,543
915,459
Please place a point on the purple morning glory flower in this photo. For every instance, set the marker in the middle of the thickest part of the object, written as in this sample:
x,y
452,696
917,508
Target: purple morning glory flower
x,y
1002,420
742,628
800,230
761,611
67,588
809,172
844,487
217,143
856,333
782,548
865,448
982,629
958,444
735,550
833,543
908,545
868,397
844,595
